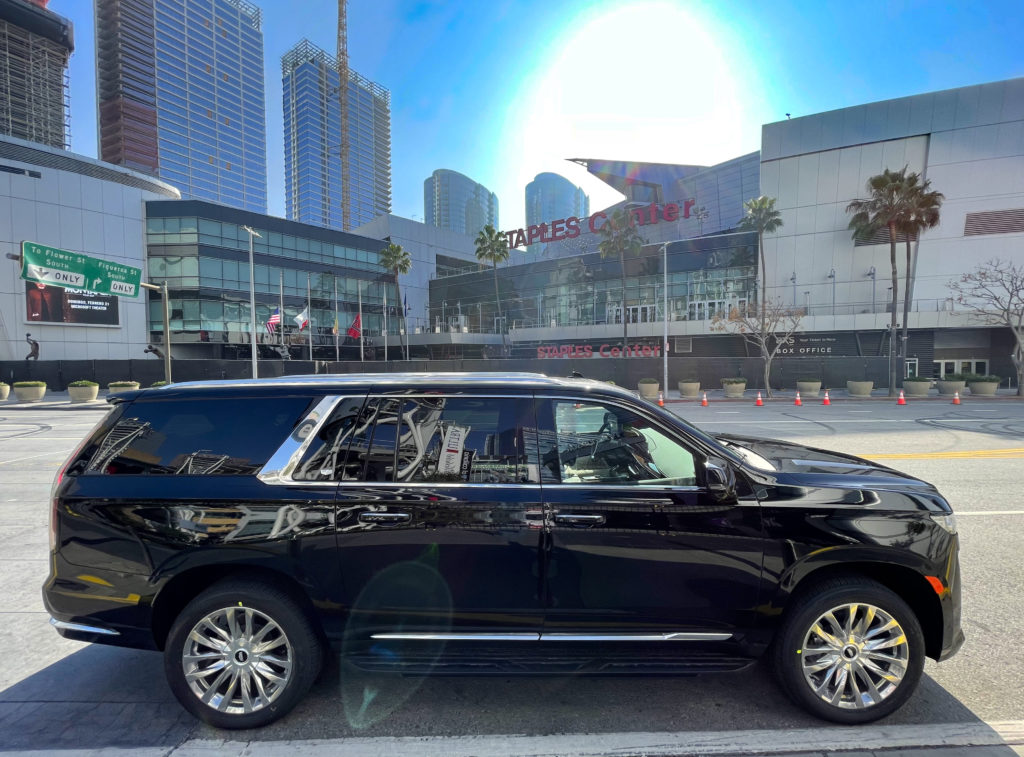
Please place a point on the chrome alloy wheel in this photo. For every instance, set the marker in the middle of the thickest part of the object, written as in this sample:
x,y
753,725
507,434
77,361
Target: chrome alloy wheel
x,y
237,660
854,656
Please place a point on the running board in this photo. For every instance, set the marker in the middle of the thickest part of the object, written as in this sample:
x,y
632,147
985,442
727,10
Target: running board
x,y
628,637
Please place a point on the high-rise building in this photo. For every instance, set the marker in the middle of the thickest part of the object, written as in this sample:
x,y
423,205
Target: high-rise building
x,y
181,95
313,163
550,197
35,45
457,203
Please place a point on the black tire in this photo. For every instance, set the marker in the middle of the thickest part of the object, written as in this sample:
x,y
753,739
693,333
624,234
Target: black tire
x,y
808,606
297,644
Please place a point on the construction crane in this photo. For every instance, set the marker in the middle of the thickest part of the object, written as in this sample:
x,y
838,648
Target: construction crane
x,y
346,178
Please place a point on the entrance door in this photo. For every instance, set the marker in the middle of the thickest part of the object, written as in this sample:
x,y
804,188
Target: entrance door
x,y
637,543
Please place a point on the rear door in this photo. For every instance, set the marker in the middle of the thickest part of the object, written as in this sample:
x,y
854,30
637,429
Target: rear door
x,y
439,518
637,544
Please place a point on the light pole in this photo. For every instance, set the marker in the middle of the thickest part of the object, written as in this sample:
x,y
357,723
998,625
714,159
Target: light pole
x,y
167,325
832,275
252,300
871,274
793,281
664,305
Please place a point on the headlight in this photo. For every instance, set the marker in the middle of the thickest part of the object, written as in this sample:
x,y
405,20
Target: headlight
x,y
947,521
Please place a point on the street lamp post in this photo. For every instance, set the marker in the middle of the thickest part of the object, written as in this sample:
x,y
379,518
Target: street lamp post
x,y
832,275
664,300
167,325
871,275
252,300
793,281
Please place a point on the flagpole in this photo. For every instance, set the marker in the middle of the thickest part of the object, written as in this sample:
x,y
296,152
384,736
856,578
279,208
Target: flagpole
x,y
337,328
280,297
359,286
309,311
385,322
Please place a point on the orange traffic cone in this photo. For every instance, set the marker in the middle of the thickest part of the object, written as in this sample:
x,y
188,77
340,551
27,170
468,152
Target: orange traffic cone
x,y
661,399
704,402
797,401
902,400
826,401
956,398
759,402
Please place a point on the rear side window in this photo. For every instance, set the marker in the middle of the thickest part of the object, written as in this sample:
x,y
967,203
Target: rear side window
x,y
205,437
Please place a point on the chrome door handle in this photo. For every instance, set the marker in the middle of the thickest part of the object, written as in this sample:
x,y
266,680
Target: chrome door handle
x,y
384,517
574,519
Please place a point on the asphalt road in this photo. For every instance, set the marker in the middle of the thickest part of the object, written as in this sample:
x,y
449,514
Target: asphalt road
x,y
58,694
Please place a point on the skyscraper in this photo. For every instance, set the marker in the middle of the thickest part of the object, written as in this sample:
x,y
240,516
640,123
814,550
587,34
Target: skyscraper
x,y
35,45
181,95
550,197
457,203
313,162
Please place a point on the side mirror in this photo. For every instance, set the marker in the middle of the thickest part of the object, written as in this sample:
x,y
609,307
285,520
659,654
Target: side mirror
x,y
721,478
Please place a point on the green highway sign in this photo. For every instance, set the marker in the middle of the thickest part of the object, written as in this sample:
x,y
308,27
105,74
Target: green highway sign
x,y
48,265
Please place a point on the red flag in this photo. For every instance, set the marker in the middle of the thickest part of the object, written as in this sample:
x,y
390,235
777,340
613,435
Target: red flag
x,y
356,328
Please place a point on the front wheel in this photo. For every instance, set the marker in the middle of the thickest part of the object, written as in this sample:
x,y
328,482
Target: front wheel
x,y
849,650
241,655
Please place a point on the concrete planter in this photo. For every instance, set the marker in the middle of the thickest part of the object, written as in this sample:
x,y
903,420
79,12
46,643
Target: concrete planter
x,y
648,391
734,390
949,388
83,393
916,388
29,393
5,390
859,388
983,388
128,386
808,388
689,389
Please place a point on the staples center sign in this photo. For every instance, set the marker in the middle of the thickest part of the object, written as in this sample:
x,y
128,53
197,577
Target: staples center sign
x,y
570,228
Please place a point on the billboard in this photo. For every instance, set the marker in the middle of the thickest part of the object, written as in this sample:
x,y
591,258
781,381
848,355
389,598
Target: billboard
x,y
45,303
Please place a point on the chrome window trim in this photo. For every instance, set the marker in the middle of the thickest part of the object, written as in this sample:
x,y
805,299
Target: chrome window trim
x,y
64,625
278,470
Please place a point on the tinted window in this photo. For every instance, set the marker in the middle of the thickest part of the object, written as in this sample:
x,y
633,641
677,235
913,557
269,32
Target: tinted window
x,y
324,459
607,444
446,439
219,437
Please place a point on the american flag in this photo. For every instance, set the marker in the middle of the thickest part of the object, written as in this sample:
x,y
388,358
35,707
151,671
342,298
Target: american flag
x,y
274,320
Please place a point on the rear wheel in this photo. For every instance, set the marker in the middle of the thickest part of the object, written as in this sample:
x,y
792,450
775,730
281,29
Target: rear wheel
x,y
850,650
241,655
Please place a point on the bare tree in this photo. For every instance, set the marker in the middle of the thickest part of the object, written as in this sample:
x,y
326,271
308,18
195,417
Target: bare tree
x,y
994,294
769,331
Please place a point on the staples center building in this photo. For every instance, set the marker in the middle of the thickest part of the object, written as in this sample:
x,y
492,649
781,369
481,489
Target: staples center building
x,y
968,142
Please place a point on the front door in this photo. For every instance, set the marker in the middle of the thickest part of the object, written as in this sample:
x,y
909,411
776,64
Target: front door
x,y
637,544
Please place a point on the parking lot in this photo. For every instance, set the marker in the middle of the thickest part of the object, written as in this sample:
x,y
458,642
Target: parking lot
x,y
57,694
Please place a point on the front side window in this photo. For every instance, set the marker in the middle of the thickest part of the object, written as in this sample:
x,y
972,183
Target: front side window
x,y
608,444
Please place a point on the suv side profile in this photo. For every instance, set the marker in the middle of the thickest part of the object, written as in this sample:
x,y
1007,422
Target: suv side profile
x,y
459,523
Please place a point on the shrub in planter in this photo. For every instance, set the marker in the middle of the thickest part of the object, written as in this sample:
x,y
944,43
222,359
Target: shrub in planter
x,y
808,386
917,386
5,390
859,388
122,386
29,391
648,388
83,390
689,387
156,384
951,383
983,386
734,387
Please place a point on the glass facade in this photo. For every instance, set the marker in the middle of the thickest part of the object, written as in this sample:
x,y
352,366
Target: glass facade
x,y
182,95
202,251
312,135
706,277
457,203
550,197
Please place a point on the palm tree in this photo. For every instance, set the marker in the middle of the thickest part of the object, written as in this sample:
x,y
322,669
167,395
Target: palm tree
x,y
492,247
922,214
885,207
395,259
621,239
762,217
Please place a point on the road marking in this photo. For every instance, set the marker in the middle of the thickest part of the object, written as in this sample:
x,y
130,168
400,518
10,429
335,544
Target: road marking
x,y
820,739
1014,452
33,457
859,411
728,412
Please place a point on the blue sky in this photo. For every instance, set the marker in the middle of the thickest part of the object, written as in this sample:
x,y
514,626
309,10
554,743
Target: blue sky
x,y
505,89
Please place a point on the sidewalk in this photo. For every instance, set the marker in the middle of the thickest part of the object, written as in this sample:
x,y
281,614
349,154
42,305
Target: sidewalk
x,y
787,396
54,401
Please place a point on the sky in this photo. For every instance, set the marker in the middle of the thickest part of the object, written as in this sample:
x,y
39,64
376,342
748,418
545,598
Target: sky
x,y
505,89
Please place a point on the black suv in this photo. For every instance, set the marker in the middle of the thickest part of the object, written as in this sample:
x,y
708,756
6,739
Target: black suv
x,y
468,523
